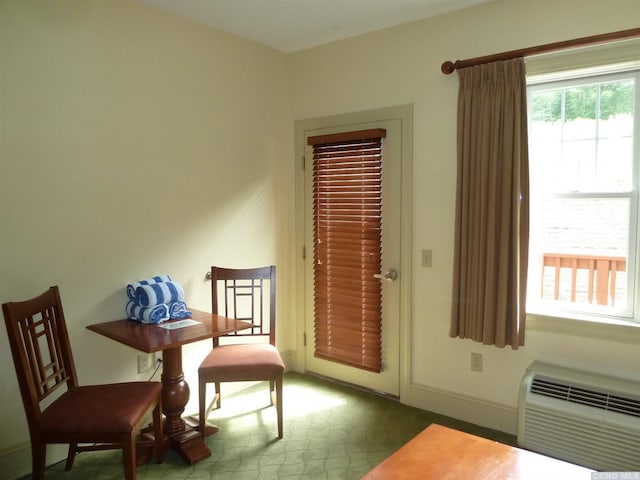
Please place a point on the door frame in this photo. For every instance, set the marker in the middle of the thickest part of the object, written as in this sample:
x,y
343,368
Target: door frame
x,y
404,113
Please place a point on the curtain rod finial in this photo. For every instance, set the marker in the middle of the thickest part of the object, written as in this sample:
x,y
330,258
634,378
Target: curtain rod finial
x,y
448,67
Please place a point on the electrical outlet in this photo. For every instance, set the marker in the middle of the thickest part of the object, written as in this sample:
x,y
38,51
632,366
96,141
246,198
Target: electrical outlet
x,y
476,362
145,362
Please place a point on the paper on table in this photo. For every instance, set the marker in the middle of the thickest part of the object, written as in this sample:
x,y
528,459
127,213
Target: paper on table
x,y
179,324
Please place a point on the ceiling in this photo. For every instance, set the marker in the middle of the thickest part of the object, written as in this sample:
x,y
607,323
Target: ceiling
x,y
293,25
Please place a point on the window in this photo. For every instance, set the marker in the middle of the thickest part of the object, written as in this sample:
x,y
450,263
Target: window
x,y
584,156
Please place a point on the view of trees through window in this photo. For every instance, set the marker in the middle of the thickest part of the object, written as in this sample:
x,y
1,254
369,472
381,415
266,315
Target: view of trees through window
x,y
602,101
583,196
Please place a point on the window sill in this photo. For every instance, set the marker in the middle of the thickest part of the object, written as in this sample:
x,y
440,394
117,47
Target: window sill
x,y
602,329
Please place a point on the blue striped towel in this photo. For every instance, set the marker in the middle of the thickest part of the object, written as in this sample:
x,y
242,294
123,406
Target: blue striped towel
x,y
178,310
155,314
131,288
157,293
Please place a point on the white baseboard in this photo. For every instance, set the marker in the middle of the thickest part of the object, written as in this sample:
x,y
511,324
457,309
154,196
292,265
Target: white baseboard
x,y
16,462
474,410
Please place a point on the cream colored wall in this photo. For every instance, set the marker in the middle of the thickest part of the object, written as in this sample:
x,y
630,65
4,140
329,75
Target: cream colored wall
x,y
132,143
400,66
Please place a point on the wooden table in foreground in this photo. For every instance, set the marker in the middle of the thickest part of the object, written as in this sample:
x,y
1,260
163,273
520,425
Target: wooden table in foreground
x,y
441,453
183,435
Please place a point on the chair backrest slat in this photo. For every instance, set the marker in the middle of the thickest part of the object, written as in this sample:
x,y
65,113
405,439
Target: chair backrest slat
x,y
40,348
249,294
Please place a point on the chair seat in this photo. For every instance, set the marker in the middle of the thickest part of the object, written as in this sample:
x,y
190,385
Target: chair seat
x,y
105,408
242,363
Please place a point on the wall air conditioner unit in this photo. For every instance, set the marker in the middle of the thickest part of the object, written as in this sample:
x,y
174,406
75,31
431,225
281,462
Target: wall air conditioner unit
x,y
583,418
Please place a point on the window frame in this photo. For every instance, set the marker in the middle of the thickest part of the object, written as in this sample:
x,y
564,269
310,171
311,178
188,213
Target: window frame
x,y
629,317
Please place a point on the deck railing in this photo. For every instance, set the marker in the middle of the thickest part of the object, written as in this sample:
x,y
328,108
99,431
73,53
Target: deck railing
x,y
565,274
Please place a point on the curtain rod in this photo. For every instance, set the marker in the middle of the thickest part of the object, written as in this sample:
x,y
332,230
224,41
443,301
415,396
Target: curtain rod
x,y
449,67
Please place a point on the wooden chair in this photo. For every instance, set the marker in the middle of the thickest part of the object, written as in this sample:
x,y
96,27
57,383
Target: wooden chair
x,y
245,294
106,416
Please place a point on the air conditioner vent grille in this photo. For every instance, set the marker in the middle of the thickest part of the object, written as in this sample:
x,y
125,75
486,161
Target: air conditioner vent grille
x,y
580,417
586,396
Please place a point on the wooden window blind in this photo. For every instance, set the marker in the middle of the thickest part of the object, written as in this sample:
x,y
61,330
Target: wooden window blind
x,y
347,224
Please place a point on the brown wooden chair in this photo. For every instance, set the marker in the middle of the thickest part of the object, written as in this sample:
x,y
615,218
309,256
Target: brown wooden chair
x,y
105,416
245,294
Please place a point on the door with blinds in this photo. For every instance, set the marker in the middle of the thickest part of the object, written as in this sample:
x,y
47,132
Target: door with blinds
x,y
352,242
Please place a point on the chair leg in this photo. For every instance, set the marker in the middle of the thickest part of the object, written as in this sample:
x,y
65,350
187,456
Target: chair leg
x,y
278,383
38,455
218,394
129,456
271,391
71,456
202,414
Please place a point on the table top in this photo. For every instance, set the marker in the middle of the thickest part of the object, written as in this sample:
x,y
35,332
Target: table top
x,y
441,453
153,337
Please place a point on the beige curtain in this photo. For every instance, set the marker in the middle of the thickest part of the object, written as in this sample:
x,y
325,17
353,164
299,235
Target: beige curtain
x,y
492,205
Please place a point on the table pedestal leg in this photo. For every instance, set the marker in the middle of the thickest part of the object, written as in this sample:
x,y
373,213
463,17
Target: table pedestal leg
x,y
175,395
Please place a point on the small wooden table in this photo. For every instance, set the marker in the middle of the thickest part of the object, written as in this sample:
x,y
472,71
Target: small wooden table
x,y
441,453
175,391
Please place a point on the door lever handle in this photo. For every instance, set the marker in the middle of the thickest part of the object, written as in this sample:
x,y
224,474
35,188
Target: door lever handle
x,y
390,276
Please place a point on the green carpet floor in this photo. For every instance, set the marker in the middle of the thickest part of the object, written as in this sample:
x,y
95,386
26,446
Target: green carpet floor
x,y
331,431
